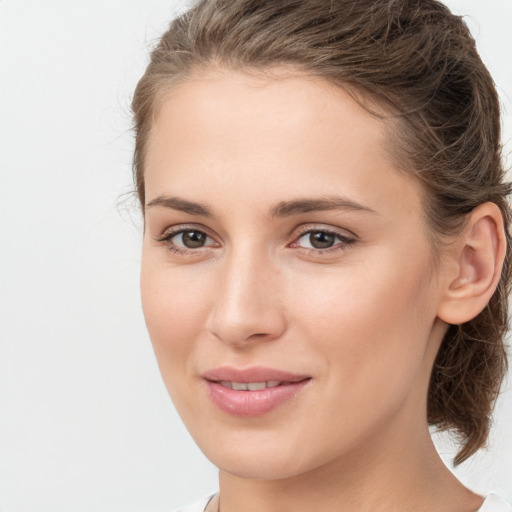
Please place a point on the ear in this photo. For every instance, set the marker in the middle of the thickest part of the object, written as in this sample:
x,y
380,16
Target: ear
x,y
473,269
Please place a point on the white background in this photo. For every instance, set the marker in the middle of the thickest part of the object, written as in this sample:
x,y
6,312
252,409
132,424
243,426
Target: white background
x,y
85,422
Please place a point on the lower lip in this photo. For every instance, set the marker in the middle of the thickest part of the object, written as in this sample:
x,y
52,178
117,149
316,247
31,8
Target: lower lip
x,y
250,404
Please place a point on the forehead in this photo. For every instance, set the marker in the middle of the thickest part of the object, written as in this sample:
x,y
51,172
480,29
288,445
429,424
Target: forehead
x,y
224,130
270,106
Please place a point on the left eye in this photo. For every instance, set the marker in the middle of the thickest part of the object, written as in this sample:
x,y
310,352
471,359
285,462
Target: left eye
x,y
319,240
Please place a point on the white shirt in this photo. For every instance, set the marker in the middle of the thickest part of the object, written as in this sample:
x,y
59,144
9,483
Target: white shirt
x,y
492,503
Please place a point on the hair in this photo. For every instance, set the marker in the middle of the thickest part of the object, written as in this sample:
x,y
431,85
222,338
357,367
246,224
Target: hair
x,y
419,61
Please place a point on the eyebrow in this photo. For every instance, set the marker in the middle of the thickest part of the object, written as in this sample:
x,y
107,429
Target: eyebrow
x,y
295,207
281,209
181,205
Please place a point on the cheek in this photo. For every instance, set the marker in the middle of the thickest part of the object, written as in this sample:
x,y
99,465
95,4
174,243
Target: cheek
x,y
371,322
174,302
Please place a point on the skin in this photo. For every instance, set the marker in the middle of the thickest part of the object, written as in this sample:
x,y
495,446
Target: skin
x,y
364,318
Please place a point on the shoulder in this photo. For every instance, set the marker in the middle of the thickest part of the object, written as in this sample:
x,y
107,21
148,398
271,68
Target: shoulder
x,y
494,503
198,506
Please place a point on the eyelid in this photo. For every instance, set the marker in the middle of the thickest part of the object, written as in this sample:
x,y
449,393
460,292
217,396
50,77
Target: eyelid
x,y
171,231
308,228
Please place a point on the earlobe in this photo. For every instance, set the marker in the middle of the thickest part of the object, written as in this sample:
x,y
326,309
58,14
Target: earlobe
x,y
477,259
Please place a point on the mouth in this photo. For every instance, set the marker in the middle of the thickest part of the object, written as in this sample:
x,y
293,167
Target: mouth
x,y
253,386
252,392
250,386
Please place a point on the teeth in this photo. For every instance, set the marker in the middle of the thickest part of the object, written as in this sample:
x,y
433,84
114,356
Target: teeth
x,y
254,386
250,386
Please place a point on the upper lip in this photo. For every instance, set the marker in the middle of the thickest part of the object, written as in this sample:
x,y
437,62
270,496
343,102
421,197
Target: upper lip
x,y
252,374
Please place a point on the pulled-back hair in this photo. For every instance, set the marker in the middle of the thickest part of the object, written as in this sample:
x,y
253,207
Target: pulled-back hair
x,y
418,61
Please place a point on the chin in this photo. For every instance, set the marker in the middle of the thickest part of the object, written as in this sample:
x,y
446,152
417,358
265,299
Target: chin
x,y
260,460
270,469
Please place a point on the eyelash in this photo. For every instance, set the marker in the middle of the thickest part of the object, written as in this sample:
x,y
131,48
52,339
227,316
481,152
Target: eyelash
x,y
343,241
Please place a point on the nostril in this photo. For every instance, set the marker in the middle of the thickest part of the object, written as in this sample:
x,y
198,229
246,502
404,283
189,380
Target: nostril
x,y
258,335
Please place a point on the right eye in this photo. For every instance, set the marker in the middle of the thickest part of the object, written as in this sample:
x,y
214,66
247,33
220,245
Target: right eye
x,y
191,239
183,240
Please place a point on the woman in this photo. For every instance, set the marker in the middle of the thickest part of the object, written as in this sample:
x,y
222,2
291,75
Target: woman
x,y
326,257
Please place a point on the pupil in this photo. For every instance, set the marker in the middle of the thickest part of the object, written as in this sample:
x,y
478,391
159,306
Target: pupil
x,y
321,240
193,239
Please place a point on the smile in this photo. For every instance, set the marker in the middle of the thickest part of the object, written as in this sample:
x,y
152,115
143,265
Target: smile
x,y
252,392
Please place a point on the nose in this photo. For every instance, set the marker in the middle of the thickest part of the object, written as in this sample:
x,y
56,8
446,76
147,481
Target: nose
x,y
246,307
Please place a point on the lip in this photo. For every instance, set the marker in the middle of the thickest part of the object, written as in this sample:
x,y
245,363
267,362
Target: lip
x,y
250,404
252,374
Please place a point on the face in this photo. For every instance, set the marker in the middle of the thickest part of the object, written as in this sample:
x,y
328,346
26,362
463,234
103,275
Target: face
x,y
286,280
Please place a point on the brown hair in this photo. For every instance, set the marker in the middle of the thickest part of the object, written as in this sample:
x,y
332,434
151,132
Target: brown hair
x,y
419,60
